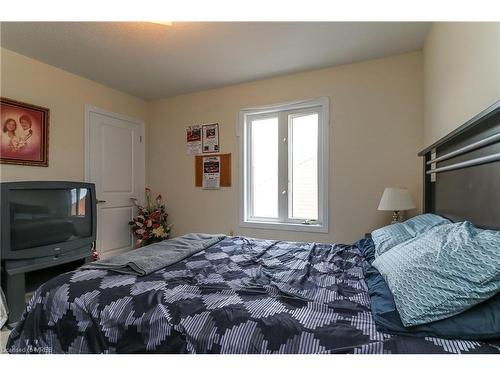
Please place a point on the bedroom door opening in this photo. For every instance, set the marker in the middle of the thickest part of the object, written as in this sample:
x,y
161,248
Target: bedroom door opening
x,y
115,162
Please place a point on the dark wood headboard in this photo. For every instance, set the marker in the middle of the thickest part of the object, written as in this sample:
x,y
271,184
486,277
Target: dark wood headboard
x,y
462,172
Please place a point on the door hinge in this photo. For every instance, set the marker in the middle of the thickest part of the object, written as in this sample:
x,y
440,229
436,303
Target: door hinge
x,y
140,138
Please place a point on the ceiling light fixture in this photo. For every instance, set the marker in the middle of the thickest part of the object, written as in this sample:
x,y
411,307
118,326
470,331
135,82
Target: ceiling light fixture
x,y
164,23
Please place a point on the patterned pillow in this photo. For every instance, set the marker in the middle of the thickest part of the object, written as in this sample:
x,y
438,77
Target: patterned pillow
x,y
387,237
443,272
422,223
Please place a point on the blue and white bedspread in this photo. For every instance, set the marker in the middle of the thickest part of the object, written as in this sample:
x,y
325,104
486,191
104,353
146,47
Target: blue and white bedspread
x,y
240,295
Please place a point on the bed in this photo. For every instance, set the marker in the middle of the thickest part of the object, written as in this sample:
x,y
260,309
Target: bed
x,y
240,295
244,295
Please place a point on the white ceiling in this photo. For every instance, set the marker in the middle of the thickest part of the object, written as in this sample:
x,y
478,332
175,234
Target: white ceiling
x,y
154,61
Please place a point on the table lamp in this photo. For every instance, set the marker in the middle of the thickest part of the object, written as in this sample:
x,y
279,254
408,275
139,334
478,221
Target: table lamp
x,y
396,200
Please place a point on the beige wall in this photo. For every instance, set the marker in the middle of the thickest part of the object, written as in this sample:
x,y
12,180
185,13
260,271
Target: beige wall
x,y
375,133
377,112
65,94
461,74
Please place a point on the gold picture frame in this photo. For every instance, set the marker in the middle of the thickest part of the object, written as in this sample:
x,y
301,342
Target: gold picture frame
x,y
24,135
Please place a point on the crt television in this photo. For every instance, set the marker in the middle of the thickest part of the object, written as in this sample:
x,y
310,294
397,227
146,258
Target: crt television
x,y
46,218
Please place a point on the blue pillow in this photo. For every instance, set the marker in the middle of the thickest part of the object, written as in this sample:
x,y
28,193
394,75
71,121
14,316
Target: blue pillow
x,y
481,322
442,272
387,237
392,235
422,223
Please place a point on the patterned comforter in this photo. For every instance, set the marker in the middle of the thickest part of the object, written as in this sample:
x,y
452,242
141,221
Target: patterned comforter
x,y
240,295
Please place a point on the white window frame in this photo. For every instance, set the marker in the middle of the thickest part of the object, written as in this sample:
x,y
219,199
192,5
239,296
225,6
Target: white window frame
x,y
283,223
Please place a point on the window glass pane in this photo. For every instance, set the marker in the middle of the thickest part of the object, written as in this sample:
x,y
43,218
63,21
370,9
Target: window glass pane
x,y
78,202
264,167
303,171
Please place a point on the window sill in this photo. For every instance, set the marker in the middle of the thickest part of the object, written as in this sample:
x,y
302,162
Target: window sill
x,y
314,228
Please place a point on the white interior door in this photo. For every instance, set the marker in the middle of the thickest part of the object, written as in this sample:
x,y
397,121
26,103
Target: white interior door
x,y
116,164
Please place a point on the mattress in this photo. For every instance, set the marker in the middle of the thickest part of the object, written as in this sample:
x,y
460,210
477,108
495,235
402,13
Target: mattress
x,y
240,295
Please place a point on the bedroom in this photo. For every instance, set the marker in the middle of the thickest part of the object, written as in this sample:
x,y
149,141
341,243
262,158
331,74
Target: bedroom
x,y
133,104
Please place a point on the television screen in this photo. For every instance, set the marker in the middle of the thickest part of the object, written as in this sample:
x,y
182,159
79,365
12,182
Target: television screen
x,y
42,217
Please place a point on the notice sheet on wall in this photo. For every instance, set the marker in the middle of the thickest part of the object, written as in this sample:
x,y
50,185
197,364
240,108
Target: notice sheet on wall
x,y
211,172
193,140
210,138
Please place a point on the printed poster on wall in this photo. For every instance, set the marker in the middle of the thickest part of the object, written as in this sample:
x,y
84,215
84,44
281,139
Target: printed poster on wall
x,y
211,172
210,138
193,140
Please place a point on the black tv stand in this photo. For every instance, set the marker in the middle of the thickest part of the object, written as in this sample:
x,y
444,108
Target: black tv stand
x,y
14,277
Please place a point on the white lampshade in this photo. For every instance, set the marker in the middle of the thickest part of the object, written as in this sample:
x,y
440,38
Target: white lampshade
x,y
396,199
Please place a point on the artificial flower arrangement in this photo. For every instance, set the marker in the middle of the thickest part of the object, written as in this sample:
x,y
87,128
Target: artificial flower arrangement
x,y
150,225
94,254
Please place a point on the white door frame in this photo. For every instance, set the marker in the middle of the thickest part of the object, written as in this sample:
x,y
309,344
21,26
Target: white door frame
x,y
92,109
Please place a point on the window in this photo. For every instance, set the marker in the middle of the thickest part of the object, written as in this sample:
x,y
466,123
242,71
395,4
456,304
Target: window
x,y
78,202
285,166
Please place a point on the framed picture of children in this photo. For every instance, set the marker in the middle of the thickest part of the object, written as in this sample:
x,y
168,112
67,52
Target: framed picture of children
x,y
24,136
